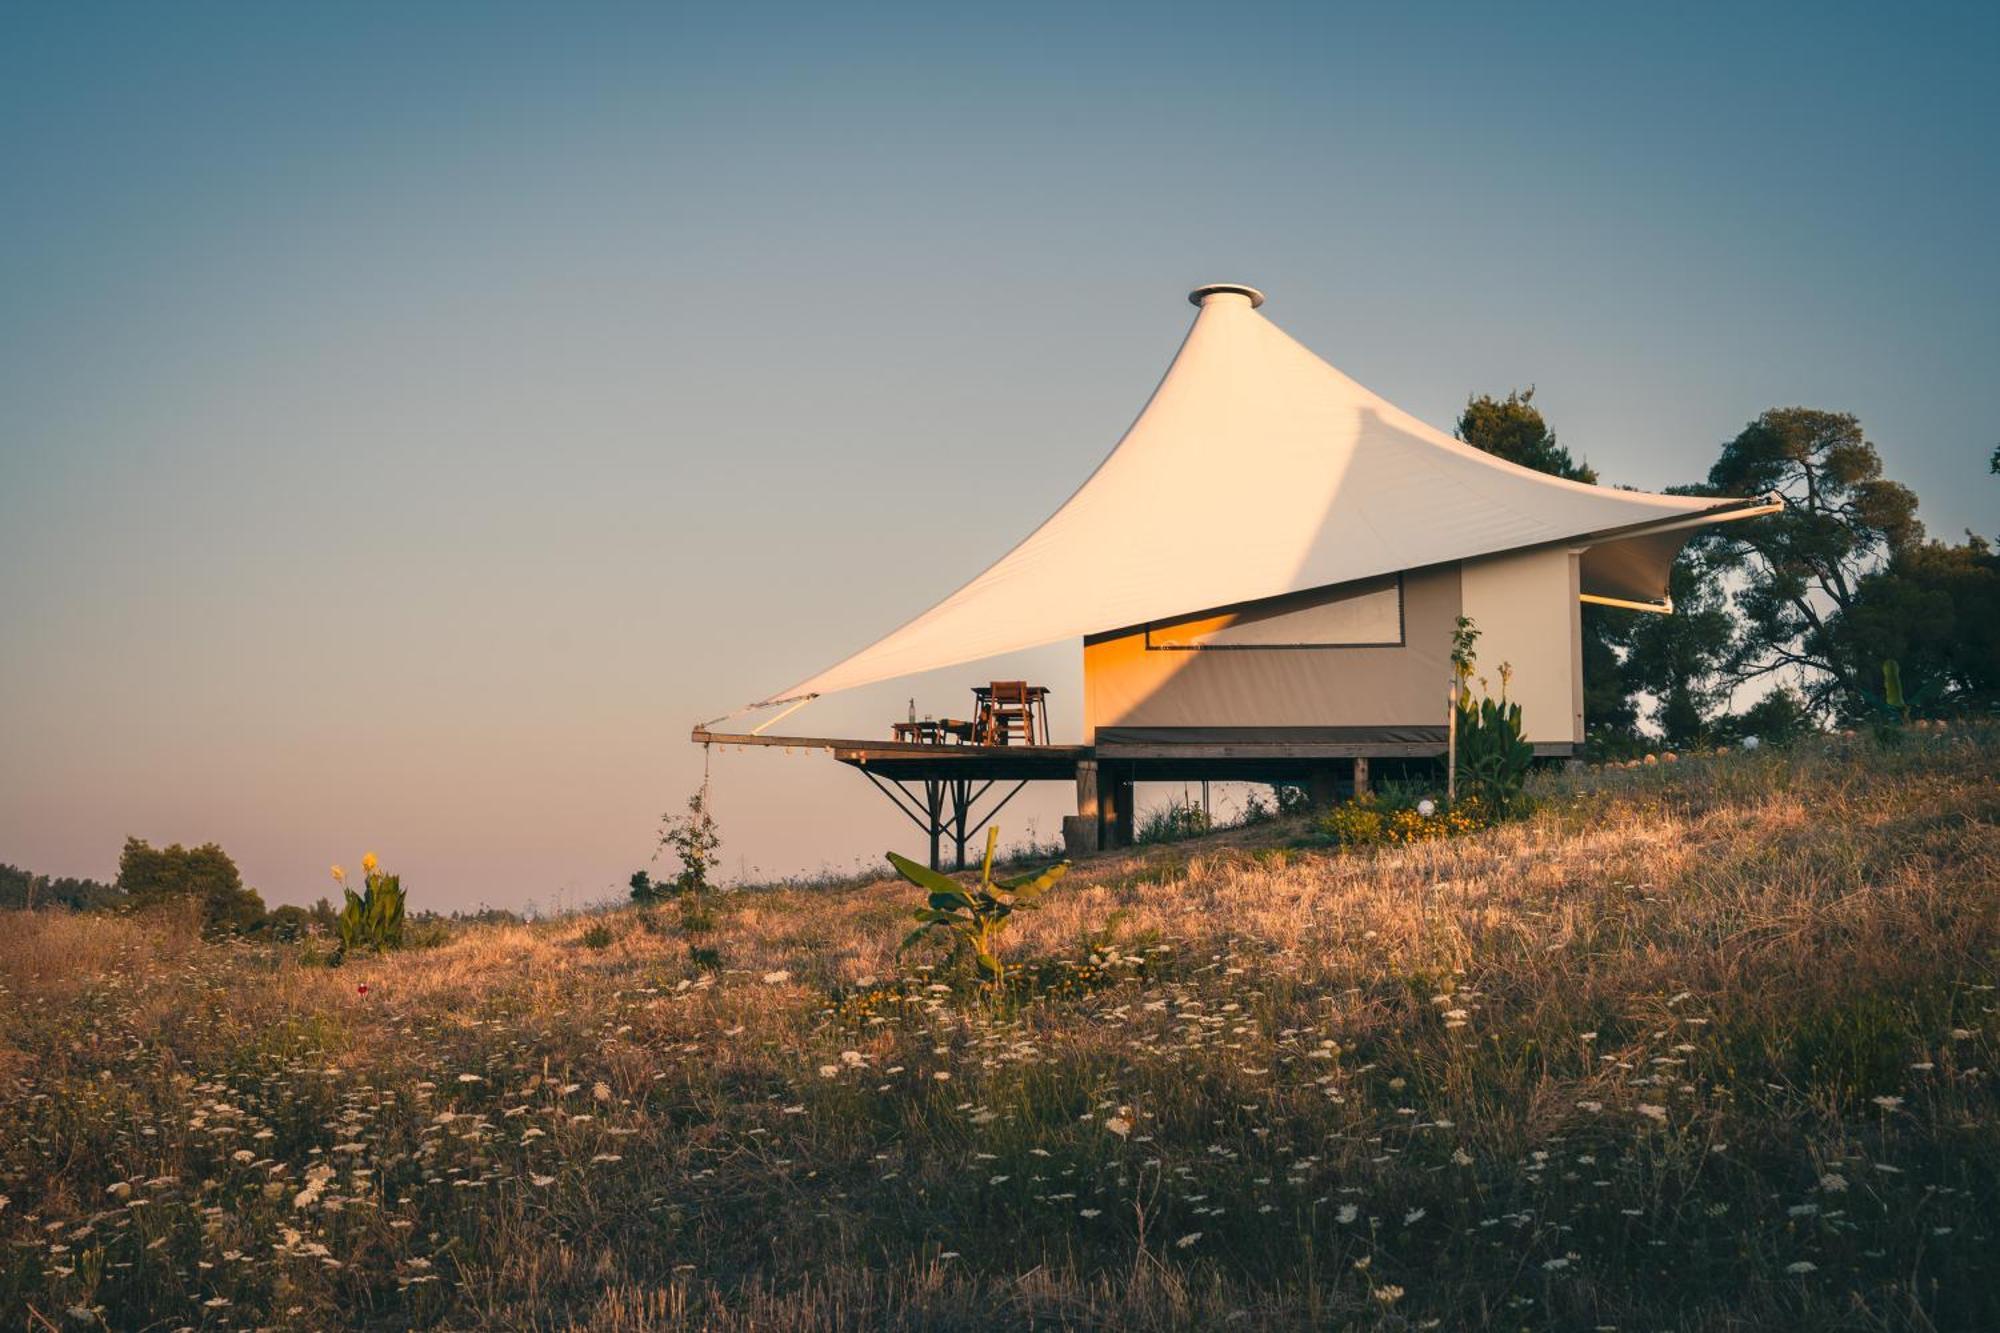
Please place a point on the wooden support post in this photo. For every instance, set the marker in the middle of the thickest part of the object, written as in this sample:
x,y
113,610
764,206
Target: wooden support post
x,y
1122,813
1360,776
1082,831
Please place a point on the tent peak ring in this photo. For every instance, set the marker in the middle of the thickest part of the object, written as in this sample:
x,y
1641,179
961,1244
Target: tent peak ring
x,y
1201,295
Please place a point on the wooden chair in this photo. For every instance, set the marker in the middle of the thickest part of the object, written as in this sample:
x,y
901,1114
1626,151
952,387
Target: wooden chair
x,y
1010,707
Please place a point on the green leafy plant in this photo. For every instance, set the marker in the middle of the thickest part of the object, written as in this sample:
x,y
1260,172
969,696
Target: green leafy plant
x,y
1172,822
373,918
693,840
974,916
1356,824
1892,688
598,936
1492,754
288,923
1464,635
1368,821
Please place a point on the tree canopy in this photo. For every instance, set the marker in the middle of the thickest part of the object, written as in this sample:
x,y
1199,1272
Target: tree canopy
x,y
1512,428
149,876
1801,570
1934,609
1681,659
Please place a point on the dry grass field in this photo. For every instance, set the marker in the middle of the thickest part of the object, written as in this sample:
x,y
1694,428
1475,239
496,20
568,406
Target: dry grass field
x,y
1712,1045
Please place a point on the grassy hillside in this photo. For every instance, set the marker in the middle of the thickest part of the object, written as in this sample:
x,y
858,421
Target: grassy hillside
x,y
1705,1046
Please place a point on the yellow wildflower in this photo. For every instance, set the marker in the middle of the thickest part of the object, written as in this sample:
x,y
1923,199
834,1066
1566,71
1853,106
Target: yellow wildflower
x,y
368,863
339,875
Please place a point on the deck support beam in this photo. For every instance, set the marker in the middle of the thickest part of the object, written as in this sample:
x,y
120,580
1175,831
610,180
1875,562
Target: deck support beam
x,y
945,809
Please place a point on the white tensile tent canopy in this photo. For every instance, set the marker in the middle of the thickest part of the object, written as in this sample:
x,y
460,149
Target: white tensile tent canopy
x,y
1257,469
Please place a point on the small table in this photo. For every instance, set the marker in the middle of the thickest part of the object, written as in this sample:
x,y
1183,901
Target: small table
x,y
943,731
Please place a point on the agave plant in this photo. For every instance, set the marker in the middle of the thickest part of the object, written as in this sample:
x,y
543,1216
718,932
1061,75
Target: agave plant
x,y
975,915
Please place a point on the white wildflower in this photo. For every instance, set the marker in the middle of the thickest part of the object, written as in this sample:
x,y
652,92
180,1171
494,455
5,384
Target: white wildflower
x,y
1652,1112
1802,1267
1187,1241
776,978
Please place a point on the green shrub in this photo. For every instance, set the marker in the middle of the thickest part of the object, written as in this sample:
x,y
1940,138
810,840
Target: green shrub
x,y
288,923
1367,822
426,930
1355,824
1172,822
598,936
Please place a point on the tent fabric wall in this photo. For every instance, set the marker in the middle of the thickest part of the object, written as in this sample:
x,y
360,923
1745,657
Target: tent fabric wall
x,y
1128,686
1526,610
1256,469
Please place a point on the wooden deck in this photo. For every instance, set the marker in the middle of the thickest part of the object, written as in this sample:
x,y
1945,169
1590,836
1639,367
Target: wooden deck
x,y
1248,759
940,788
917,762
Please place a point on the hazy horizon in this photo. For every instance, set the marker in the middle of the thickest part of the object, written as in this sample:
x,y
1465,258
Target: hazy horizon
x,y
412,420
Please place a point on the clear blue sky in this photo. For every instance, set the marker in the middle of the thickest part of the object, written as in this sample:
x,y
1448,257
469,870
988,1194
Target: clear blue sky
x,y
412,417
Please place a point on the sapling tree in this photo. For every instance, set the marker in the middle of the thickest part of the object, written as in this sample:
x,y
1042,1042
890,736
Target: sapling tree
x,y
693,840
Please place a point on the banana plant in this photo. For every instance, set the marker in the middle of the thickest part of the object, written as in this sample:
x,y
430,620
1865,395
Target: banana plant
x,y
1894,705
974,915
